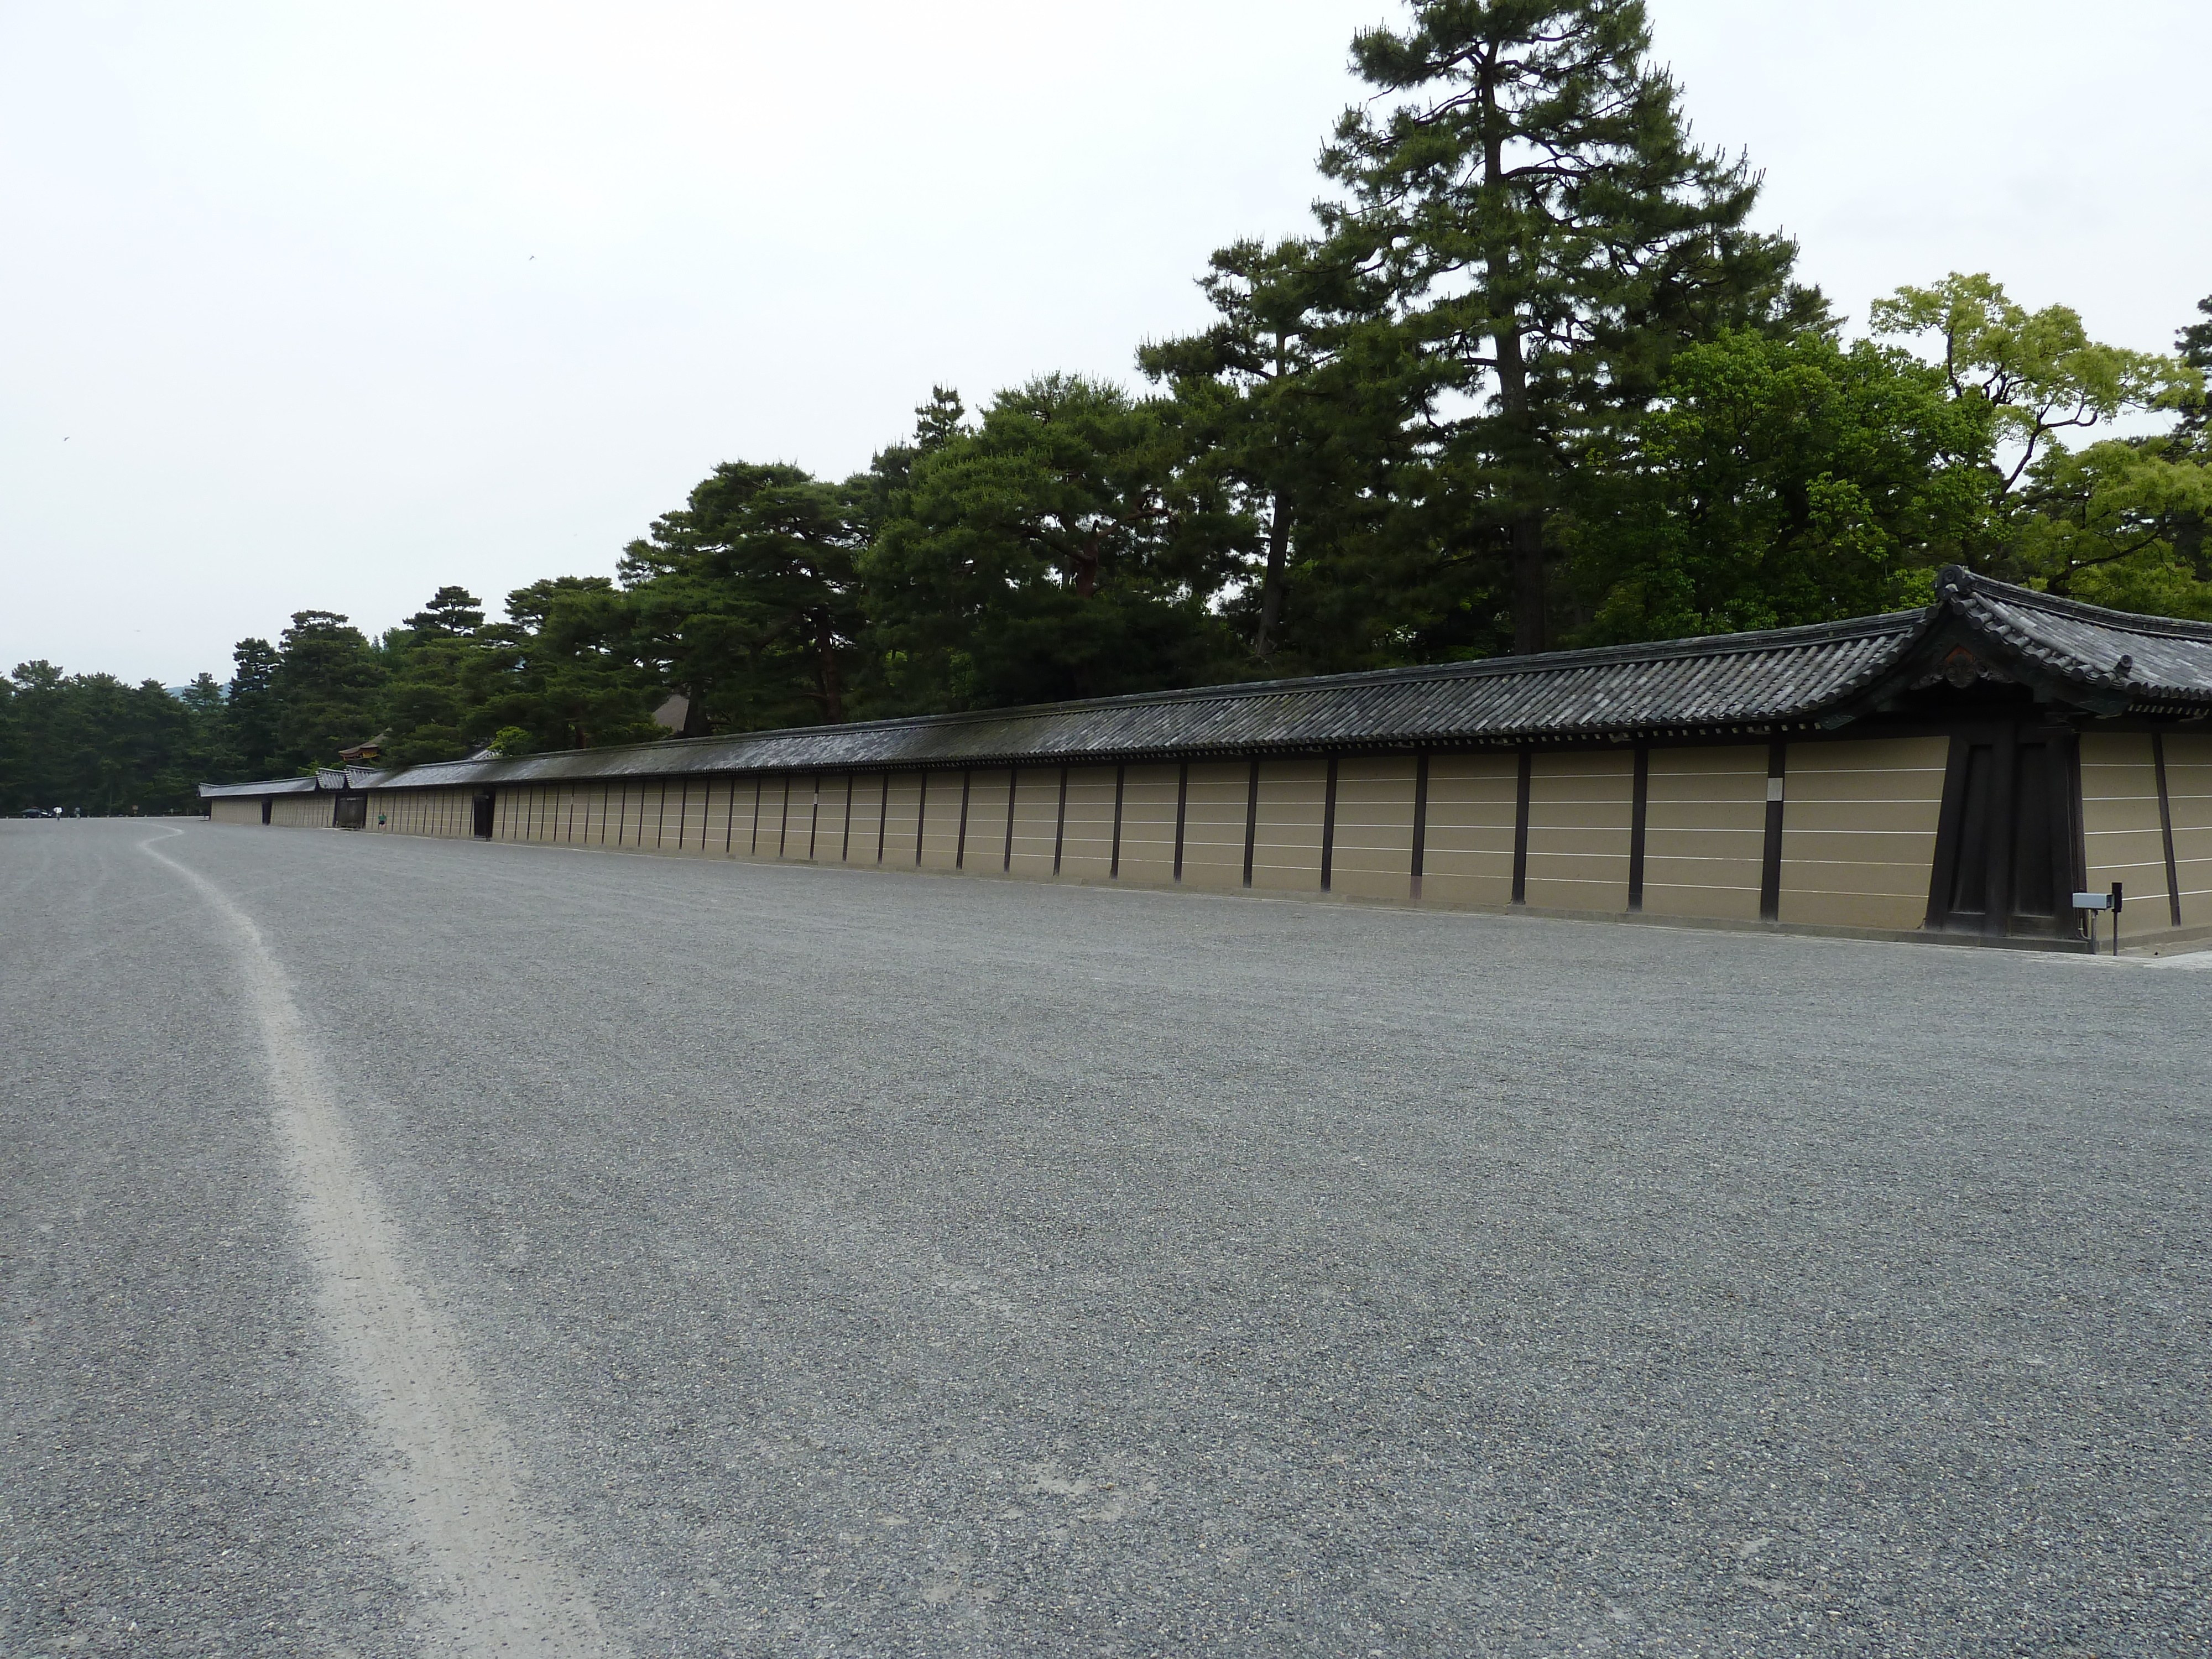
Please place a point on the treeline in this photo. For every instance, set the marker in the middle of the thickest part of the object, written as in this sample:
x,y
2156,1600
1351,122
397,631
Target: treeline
x,y
1530,380
87,743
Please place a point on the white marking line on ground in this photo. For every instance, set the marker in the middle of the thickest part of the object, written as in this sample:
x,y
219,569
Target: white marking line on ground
x,y
452,1484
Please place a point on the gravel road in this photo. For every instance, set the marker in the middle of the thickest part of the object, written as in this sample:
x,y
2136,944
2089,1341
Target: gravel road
x,y
752,1260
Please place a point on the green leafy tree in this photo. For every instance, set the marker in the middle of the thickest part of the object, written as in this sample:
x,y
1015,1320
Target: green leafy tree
x,y
748,598
87,743
2038,373
1059,550
2099,522
1550,236
1778,481
2102,524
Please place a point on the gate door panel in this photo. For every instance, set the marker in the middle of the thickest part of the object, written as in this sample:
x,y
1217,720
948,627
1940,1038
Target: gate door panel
x,y
2006,848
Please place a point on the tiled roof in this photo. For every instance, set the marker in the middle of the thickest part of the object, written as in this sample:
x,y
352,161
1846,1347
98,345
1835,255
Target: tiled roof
x,y
1706,685
2157,660
271,786
1718,685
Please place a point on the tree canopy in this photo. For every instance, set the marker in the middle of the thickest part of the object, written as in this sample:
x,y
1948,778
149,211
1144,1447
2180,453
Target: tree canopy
x,y
1531,376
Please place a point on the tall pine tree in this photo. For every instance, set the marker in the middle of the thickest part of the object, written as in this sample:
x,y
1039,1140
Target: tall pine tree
x,y
1549,234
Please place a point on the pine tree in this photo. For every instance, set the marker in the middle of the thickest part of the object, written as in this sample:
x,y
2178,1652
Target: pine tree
x,y
431,708
327,688
564,669
1276,400
748,597
252,702
1549,236
2193,439
1059,550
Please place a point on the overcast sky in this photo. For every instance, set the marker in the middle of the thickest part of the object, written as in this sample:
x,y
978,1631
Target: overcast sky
x,y
320,305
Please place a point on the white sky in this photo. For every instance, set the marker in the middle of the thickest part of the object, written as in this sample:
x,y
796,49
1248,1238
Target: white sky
x,y
275,337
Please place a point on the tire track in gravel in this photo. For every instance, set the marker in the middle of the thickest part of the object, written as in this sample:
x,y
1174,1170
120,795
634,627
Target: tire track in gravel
x,y
495,1580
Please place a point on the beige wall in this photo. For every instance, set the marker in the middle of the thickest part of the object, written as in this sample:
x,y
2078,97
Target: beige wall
x,y
1148,825
817,799
1086,851
772,811
2120,831
2189,795
302,812
1579,810
940,822
1372,857
597,809
984,852
866,842
801,821
815,803
1469,845
1287,828
637,814
1859,825
1704,832
235,809
1036,818
1214,824
445,813
900,820
1859,830
695,800
666,806
840,795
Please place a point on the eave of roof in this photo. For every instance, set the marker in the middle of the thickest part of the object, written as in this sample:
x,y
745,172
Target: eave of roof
x,y
267,787
1716,685
2150,660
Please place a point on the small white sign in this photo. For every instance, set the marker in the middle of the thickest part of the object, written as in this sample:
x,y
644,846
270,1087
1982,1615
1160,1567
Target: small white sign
x,y
2093,901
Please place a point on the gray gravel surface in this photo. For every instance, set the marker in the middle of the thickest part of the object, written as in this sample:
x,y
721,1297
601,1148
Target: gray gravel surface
x,y
890,1265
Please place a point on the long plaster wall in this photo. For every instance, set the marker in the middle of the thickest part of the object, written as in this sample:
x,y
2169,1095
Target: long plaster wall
x,y
1857,838
299,811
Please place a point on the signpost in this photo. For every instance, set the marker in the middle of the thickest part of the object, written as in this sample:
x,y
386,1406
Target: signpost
x,y
2094,902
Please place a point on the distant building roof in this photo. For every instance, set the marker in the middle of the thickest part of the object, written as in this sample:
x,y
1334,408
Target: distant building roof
x,y
1827,675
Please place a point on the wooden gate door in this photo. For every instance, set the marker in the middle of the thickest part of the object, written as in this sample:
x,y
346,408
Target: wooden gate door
x,y
2008,845
483,815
